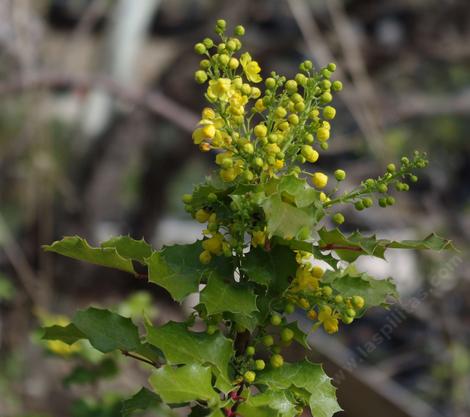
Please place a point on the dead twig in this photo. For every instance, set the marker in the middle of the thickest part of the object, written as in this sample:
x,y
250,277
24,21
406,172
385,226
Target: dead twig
x,y
154,102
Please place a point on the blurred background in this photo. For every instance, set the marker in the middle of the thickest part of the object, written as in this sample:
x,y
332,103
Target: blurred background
x,y
97,105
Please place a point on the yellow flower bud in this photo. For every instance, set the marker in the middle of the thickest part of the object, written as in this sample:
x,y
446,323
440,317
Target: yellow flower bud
x,y
260,130
319,180
202,216
205,257
323,134
209,131
317,272
208,113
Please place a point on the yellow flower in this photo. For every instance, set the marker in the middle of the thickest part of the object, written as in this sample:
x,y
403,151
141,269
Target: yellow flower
x,y
214,244
306,280
219,89
329,319
258,238
251,68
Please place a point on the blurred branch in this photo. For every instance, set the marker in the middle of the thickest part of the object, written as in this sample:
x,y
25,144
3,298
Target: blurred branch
x,y
93,12
319,48
19,261
417,104
154,102
350,47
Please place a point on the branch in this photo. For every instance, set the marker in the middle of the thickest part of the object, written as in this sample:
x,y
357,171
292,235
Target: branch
x,y
332,246
19,262
154,102
319,48
140,358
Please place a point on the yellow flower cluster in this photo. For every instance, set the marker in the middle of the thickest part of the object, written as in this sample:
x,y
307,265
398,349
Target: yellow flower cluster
x,y
259,133
307,290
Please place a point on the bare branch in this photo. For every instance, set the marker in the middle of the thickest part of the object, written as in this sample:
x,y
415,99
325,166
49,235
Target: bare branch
x,y
154,102
319,48
19,261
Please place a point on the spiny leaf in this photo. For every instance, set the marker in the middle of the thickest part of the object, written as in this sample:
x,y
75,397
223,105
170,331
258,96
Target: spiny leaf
x,y
68,334
142,400
271,269
178,269
270,403
285,220
310,377
137,250
298,189
182,346
184,384
77,248
351,247
349,283
219,296
107,331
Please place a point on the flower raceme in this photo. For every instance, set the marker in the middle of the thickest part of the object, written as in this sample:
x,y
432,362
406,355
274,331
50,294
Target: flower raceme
x,y
268,259
264,137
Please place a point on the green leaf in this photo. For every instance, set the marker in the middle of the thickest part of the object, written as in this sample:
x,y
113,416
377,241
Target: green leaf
x,y
68,334
91,373
137,250
350,283
271,269
142,400
219,296
351,247
270,403
77,248
432,241
285,220
184,384
178,269
182,346
107,331
247,409
315,385
298,188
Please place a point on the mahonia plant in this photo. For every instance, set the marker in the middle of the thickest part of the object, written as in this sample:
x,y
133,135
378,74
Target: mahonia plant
x,y
268,259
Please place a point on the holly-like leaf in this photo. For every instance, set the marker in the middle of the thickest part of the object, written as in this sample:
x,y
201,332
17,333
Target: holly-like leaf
x,y
298,190
351,247
314,385
182,346
349,283
432,242
77,248
184,384
137,250
269,403
285,220
220,296
142,400
68,334
107,331
178,269
271,269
